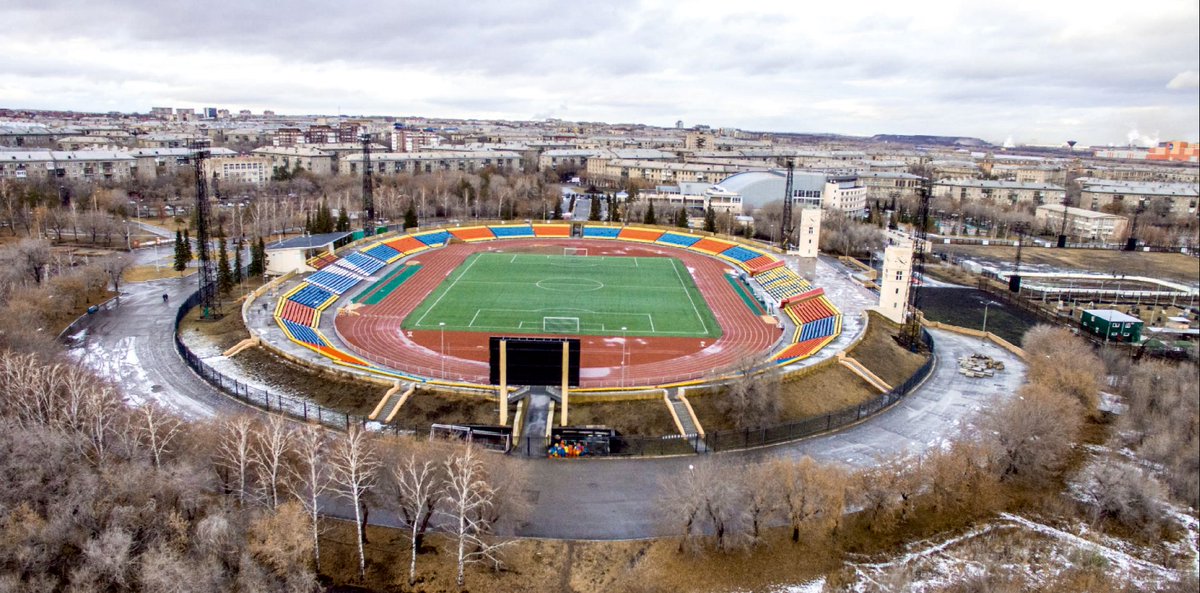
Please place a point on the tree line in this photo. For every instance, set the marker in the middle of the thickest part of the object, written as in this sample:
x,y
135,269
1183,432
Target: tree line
x,y
106,491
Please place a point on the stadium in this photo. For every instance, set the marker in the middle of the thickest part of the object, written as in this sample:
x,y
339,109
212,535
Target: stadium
x,y
651,307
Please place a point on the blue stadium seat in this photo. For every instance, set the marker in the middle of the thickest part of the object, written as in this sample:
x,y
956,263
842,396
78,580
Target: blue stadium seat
x,y
600,232
434,239
740,253
502,232
382,253
311,296
303,334
364,264
337,283
677,239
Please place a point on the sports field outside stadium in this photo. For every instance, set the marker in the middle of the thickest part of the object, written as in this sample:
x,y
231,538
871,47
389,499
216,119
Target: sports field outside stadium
x,y
526,293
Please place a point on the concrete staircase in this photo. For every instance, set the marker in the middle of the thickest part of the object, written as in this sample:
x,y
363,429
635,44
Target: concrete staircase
x,y
390,405
685,420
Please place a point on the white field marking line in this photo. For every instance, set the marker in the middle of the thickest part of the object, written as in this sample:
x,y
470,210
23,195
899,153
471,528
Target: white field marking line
x,y
421,321
703,325
582,325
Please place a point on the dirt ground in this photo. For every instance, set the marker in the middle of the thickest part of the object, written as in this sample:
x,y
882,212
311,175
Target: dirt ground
x,y
829,389
880,354
546,566
630,418
424,408
1171,266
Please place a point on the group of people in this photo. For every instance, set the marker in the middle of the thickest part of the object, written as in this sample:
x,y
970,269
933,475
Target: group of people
x,y
561,449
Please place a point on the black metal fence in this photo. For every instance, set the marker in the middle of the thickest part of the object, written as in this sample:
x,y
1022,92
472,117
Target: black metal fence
x,y
730,440
261,398
537,446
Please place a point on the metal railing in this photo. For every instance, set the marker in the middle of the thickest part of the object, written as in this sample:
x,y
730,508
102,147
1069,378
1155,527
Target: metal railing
x,y
732,440
256,396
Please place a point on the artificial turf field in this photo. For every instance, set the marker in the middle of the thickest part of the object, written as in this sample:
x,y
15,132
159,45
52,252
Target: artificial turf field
x,y
507,293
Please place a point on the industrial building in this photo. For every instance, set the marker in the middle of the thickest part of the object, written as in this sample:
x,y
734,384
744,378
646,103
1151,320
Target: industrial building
x,y
1112,326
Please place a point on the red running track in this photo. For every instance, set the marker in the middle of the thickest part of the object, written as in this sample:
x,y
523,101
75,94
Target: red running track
x,y
374,332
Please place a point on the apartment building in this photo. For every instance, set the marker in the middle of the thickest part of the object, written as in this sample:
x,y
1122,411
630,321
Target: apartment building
x,y
1178,199
287,158
153,163
1012,192
1083,224
406,140
885,185
80,165
432,161
254,170
575,159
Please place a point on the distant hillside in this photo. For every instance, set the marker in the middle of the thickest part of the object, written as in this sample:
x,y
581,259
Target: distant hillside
x,y
929,140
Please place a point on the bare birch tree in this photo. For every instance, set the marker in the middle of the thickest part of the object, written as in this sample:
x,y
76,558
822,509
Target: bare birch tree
x,y
235,441
419,488
155,428
269,454
353,467
312,479
468,498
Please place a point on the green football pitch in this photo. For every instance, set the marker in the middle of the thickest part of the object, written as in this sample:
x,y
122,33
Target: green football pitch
x,y
506,293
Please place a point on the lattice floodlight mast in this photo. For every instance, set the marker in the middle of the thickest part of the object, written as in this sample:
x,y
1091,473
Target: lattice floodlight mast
x,y
1131,241
785,230
1014,281
368,187
210,298
911,334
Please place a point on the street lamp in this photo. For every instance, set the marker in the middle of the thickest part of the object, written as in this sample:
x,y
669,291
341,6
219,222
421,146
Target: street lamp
x,y
442,328
985,314
624,339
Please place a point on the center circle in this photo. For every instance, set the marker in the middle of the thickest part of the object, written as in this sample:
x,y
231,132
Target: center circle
x,y
570,284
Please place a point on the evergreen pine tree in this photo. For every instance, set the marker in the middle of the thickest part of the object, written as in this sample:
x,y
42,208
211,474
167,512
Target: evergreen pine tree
x,y
252,268
308,224
681,218
594,214
187,247
343,221
326,218
710,220
557,214
649,218
181,252
258,258
237,262
410,217
224,274
612,208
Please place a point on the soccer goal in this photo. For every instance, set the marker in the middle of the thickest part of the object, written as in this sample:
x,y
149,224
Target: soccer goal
x,y
579,251
560,325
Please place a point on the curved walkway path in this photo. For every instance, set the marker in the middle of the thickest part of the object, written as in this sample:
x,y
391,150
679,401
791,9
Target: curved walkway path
x,y
578,499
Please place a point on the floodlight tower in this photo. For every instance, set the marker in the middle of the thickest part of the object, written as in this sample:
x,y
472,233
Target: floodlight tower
x,y
368,187
785,230
210,298
1014,281
910,336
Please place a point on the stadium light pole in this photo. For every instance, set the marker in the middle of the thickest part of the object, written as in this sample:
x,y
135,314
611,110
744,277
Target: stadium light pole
x,y
442,328
624,339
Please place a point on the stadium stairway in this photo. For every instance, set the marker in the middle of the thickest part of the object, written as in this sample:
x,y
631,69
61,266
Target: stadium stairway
x,y
688,428
537,416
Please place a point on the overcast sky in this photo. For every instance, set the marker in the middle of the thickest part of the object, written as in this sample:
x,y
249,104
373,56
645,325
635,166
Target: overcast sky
x,y
1041,71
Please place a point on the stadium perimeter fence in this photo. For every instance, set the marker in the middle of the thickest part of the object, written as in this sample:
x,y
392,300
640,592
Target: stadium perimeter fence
x,y
256,396
732,440
537,446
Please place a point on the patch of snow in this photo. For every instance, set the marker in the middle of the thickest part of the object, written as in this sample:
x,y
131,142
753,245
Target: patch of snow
x,y
1128,565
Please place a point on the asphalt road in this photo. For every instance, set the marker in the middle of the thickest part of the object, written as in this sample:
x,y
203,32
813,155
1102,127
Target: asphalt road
x,y
573,499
